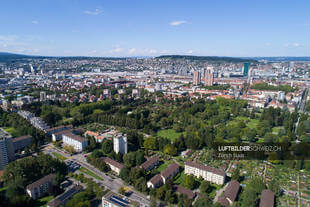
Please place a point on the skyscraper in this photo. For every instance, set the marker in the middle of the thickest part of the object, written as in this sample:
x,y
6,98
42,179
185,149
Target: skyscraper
x,y
246,69
209,76
197,78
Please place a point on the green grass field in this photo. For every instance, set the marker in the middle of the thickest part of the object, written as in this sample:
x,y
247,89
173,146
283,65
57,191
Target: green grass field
x,y
42,202
169,134
163,166
90,173
59,156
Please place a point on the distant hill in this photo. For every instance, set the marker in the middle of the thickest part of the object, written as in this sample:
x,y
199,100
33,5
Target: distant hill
x,y
207,58
5,56
279,59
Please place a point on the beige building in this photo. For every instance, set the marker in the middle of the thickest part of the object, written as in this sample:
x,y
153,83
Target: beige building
x,y
208,173
114,165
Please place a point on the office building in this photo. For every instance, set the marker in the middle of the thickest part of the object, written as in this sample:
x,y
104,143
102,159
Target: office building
x,y
209,76
120,144
246,69
197,78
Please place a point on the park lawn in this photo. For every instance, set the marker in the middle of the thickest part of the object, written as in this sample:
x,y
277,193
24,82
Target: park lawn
x,y
90,173
276,130
12,131
169,134
42,202
163,166
59,156
252,123
242,118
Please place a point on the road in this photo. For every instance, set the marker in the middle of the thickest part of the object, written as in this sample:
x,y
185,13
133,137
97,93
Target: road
x,y
112,184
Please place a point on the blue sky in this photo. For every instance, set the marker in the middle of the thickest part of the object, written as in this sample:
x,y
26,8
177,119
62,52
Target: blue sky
x,y
150,28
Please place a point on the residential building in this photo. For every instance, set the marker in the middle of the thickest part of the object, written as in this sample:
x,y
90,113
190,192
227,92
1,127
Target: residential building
x,y
208,173
230,194
267,198
155,181
120,144
21,142
42,96
6,149
197,78
150,163
162,178
114,165
170,172
113,200
62,199
77,142
40,187
181,190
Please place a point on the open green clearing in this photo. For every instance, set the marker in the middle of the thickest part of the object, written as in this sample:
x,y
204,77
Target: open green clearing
x,y
169,134
163,166
90,173
59,156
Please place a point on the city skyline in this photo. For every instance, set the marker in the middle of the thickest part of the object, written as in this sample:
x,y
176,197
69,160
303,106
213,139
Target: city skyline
x,y
137,28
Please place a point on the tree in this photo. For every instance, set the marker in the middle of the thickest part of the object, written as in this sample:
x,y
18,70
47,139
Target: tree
x,y
190,182
205,186
274,187
130,159
107,146
122,191
170,150
124,174
236,174
150,143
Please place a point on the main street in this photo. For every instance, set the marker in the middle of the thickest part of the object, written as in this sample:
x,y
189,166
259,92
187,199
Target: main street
x,y
112,184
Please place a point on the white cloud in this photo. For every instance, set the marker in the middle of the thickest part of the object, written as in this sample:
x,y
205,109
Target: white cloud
x,y
117,49
35,22
177,23
94,12
190,52
295,44
132,51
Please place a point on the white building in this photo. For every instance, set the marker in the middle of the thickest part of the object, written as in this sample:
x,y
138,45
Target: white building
x,y
120,144
208,173
77,142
